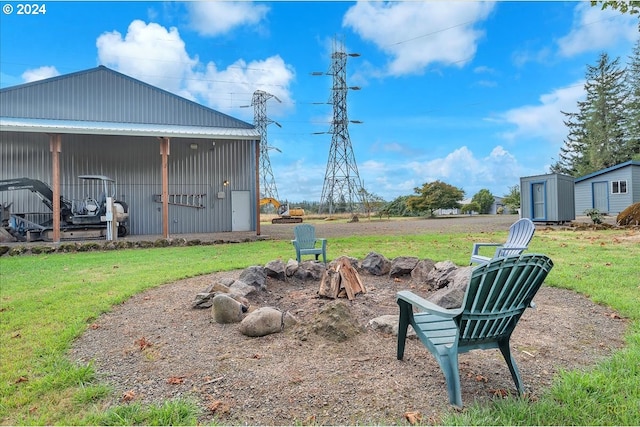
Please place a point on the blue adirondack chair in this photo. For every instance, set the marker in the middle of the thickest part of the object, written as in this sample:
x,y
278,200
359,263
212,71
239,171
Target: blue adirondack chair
x,y
305,242
520,234
497,295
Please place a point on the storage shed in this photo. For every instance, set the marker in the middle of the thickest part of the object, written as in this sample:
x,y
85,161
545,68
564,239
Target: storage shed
x,y
179,166
609,190
547,198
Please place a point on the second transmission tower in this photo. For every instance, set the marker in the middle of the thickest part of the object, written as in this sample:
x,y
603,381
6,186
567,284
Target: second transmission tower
x,y
342,189
261,121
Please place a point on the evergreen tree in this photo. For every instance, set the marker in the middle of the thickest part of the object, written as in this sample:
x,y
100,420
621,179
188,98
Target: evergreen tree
x,y
571,158
596,137
633,105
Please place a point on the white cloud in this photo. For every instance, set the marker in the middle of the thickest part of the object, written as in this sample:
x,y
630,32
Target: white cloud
x,y
213,18
597,29
417,34
463,169
544,120
158,56
496,171
148,52
39,74
242,78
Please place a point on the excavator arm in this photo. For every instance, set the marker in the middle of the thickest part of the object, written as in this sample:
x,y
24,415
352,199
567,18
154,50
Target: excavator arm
x,y
42,190
270,200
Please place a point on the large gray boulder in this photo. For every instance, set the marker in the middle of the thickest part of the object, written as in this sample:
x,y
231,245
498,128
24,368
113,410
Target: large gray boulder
x,y
451,296
388,324
421,271
309,270
204,299
376,264
439,276
254,276
263,321
225,309
402,266
275,269
239,287
291,267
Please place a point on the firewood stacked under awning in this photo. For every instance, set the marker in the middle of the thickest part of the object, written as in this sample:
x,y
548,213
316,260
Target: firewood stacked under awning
x,y
340,281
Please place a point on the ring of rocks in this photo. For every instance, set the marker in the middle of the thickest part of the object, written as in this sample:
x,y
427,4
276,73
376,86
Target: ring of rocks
x,y
260,346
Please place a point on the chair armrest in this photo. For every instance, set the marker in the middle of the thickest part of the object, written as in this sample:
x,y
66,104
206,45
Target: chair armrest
x,y
323,242
428,306
477,246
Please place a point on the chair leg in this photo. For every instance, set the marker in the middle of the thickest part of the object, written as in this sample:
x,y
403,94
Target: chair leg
x,y
403,325
511,363
449,365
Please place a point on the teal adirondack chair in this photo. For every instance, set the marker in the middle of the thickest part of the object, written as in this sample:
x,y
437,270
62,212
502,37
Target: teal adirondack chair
x,y
520,234
305,242
497,295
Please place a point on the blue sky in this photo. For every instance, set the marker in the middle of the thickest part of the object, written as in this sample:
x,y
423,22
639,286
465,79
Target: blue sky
x,y
466,92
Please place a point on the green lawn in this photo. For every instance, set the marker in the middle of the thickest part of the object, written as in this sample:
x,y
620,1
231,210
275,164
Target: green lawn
x,y
47,300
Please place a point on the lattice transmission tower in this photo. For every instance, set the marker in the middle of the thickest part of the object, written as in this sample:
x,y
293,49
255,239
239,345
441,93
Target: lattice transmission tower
x,y
342,188
261,121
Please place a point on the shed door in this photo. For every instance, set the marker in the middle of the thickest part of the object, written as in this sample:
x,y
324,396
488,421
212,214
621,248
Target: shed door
x,y
601,196
240,211
539,210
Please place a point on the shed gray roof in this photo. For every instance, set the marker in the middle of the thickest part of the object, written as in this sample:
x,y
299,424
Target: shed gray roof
x,y
104,101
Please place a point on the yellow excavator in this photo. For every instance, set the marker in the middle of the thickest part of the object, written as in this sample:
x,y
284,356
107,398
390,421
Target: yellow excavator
x,y
285,215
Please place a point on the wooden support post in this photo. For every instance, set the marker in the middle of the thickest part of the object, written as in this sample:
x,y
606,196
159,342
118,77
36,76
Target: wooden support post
x,y
164,152
55,146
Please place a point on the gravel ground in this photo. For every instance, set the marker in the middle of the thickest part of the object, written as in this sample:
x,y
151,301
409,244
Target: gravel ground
x,y
155,347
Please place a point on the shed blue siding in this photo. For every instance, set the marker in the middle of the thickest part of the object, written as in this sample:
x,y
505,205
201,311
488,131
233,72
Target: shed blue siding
x,y
616,202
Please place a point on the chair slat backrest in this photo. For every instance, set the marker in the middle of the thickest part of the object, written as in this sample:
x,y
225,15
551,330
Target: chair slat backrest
x,y
498,294
305,234
520,234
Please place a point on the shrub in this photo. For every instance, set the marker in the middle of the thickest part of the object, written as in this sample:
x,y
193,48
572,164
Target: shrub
x,y
595,215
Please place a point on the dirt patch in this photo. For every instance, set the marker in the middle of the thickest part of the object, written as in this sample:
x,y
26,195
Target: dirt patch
x,y
155,347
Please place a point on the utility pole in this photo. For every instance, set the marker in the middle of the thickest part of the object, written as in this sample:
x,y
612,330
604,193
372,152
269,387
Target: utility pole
x,y
342,186
261,121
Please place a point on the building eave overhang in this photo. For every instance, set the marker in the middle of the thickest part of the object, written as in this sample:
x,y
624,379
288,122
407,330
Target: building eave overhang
x,y
13,124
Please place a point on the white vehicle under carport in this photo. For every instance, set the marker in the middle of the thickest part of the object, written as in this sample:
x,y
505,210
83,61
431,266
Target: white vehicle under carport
x,y
84,218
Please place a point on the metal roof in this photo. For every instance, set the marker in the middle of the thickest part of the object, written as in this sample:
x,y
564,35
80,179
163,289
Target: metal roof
x,y
104,101
609,169
124,129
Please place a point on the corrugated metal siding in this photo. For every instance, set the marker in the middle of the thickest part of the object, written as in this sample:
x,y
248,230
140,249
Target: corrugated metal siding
x,y
101,94
135,163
